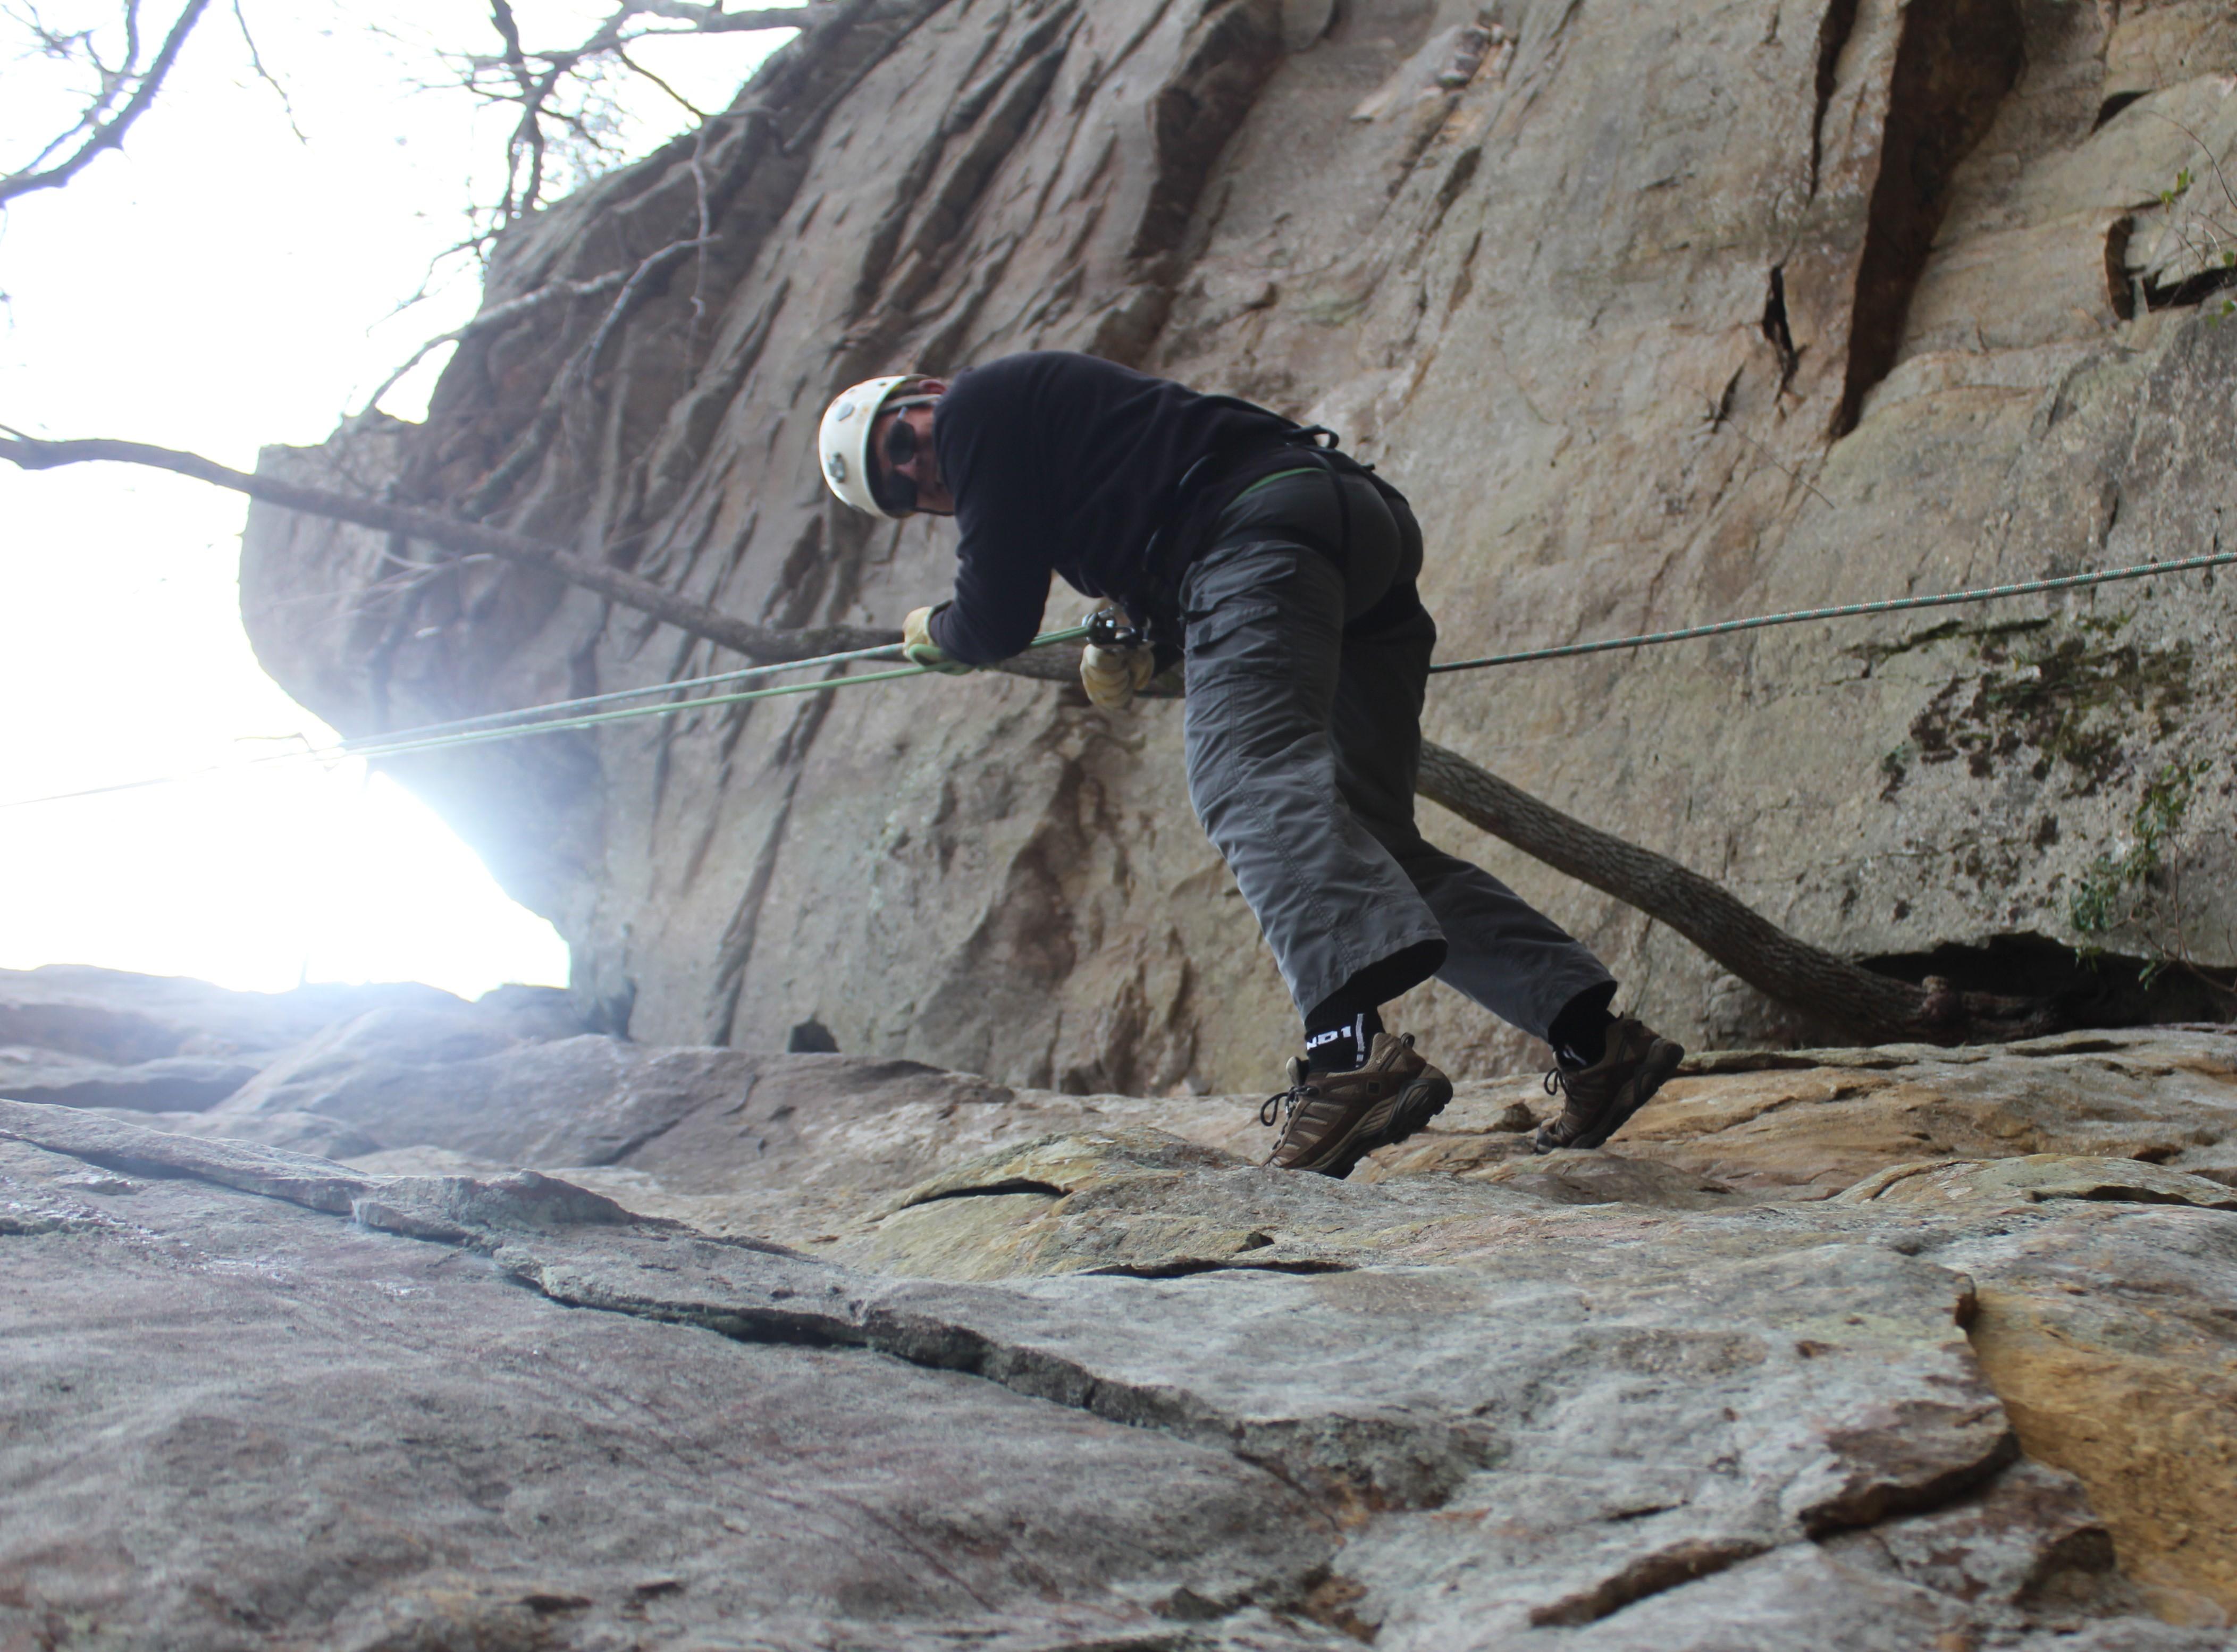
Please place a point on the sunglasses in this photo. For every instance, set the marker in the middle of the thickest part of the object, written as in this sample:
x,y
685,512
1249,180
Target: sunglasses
x,y
896,492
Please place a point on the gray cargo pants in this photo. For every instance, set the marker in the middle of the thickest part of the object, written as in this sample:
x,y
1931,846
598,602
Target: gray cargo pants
x,y
1302,739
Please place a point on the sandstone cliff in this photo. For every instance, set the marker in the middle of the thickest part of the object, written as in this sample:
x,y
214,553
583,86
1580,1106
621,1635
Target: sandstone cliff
x,y
572,1344
1660,312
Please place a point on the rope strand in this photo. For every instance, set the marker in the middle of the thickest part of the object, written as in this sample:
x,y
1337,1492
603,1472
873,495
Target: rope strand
x,y
403,746
504,718
1847,611
565,715
473,731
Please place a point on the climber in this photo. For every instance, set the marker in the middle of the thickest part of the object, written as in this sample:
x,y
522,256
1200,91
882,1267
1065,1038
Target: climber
x,y
1279,573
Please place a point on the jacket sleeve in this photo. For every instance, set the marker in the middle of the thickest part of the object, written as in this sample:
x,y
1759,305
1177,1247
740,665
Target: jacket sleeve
x,y
984,431
996,609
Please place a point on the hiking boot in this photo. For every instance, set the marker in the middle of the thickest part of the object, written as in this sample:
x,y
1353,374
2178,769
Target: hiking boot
x,y
1330,1121
1603,1097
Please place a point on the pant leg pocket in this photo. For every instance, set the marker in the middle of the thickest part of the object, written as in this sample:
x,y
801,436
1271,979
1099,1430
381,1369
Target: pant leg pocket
x,y
1237,640
1208,627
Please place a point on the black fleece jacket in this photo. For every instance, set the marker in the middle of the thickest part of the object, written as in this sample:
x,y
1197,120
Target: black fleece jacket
x,y
1063,464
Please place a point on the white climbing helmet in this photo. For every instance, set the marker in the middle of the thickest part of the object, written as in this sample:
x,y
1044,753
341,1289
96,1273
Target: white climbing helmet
x,y
842,441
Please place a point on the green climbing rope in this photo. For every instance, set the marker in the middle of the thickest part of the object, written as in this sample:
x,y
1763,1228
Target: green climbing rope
x,y
561,716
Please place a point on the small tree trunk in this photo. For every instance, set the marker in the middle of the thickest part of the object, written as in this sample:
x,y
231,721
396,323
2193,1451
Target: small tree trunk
x,y
1871,1008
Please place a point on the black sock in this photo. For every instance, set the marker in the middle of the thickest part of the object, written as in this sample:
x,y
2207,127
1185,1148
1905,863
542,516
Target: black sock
x,y
1579,1034
1337,1041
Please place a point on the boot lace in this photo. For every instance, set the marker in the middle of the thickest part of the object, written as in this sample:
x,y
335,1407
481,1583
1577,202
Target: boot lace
x,y
1283,1104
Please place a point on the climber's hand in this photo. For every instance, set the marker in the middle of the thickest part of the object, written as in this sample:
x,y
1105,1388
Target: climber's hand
x,y
1113,676
919,648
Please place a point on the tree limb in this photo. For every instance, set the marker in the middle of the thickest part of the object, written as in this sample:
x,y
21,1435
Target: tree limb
x,y
110,134
1869,1007
630,279
713,19
756,641
256,64
1872,1007
534,79
496,315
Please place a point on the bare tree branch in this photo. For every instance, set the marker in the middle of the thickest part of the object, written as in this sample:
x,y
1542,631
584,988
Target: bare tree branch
x,y
532,81
107,130
256,63
1785,968
630,281
756,641
528,136
541,82
639,69
713,19
497,315
62,47
1869,1007
587,359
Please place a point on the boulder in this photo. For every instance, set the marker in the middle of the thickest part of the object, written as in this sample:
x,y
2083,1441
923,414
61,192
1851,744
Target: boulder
x,y
116,1016
80,1036
166,1085
2039,1176
597,1344
322,1433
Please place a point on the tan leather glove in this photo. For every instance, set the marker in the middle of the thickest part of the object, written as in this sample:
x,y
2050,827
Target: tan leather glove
x,y
919,648
1113,676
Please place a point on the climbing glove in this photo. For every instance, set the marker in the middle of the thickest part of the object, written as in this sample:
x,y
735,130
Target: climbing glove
x,y
1117,662
919,648
1113,676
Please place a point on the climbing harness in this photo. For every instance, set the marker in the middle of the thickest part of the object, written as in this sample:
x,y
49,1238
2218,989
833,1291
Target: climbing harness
x,y
565,715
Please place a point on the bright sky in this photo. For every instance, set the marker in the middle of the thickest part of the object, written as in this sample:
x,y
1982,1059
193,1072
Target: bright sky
x,y
217,287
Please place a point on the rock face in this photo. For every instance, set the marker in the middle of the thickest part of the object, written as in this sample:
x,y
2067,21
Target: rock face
x,y
1660,312
81,1037
583,1344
